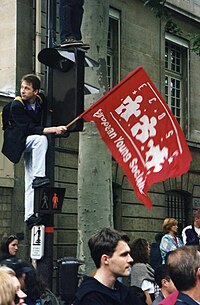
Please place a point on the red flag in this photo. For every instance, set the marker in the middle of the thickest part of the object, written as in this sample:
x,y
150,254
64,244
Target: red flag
x,y
141,132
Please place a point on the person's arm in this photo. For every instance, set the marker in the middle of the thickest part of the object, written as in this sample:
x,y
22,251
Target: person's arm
x,y
55,130
164,247
147,287
148,297
184,236
191,237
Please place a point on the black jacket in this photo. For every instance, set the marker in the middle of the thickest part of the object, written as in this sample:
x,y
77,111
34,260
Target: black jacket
x,y
26,118
92,292
24,122
155,256
191,236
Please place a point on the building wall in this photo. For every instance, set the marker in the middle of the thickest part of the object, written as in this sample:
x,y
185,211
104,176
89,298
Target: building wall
x,y
66,171
143,44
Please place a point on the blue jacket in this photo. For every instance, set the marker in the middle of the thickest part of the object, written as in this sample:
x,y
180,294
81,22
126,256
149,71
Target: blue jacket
x,y
190,235
168,244
184,299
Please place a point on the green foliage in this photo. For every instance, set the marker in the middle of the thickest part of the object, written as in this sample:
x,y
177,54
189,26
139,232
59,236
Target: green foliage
x,y
195,40
172,27
161,11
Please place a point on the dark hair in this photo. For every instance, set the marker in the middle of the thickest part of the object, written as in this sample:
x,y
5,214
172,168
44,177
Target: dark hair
x,y
17,265
5,244
139,251
183,265
33,80
35,287
162,272
158,237
105,242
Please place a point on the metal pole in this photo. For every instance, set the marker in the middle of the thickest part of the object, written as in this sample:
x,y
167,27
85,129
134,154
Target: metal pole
x,y
45,265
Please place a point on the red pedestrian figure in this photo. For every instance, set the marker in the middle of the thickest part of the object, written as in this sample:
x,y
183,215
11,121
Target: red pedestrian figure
x,y
55,201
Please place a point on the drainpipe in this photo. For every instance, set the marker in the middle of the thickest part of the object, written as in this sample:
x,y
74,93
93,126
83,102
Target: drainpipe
x,y
45,265
38,37
37,50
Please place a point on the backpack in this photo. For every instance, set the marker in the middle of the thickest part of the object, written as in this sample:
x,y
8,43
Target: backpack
x,y
49,298
5,115
6,112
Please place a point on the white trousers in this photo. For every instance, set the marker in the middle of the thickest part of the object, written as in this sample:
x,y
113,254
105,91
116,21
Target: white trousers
x,y
35,166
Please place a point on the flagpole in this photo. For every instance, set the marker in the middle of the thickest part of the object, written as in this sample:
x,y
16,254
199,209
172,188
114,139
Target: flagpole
x,y
104,96
73,121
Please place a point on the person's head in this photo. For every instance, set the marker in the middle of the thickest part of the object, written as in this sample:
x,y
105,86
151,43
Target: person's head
x,y
30,86
9,245
19,294
163,280
158,237
170,225
34,286
7,289
18,266
140,251
184,267
110,250
196,217
22,271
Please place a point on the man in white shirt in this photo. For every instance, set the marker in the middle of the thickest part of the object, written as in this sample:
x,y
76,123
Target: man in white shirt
x,y
191,233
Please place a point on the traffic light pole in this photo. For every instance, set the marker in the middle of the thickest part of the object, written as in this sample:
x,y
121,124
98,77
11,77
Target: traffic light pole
x,y
65,91
45,264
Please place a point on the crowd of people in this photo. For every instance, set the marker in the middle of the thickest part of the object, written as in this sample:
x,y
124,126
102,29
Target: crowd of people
x,y
172,278
20,282
167,272
177,275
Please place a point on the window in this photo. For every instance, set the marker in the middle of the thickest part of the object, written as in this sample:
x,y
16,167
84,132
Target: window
x,y
113,47
178,205
176,86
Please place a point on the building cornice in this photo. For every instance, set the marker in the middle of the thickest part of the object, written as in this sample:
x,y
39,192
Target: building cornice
x,y
183,12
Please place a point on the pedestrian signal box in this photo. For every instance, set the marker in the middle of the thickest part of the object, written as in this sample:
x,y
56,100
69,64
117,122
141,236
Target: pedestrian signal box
x,y
49,200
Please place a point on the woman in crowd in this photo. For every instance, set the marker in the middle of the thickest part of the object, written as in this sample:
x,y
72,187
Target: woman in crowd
x,y
37,291
9,247
142,274
169,241
7,289
19,295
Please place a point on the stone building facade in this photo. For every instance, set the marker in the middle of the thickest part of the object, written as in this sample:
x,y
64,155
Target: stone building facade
x,y
135,37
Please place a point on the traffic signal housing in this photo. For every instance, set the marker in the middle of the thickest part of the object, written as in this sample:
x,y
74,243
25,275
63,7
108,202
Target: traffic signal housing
x,y
68,84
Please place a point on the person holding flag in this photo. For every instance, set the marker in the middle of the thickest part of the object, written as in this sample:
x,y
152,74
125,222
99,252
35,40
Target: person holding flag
x,y
26,135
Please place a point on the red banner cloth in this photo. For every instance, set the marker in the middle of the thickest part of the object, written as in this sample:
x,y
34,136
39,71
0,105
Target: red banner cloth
x,y
141,132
